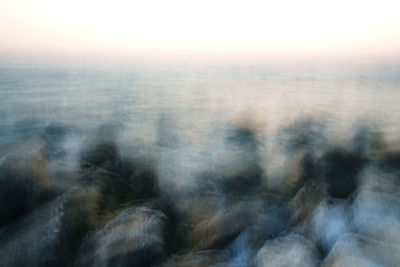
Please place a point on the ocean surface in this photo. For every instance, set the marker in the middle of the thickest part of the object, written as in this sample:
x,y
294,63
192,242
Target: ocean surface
x,y
193,105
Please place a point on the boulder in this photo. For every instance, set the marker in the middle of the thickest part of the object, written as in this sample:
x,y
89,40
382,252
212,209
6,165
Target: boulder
x,y
329,221
339,171
219,230
306,200
133,238
291,250
357,250
49,235
203,258
24,179
122,177
377,215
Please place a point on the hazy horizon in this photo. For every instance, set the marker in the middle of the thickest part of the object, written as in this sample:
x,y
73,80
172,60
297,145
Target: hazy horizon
x,y
239,29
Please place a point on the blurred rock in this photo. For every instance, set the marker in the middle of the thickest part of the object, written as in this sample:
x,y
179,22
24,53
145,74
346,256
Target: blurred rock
x,y
24,180
300,167
100,149
356,250
122,177
49,235
204,258
329,221
339,171
377,215
292,250
244,248
176,228
133,238
222,228
306,200
377,179
242,174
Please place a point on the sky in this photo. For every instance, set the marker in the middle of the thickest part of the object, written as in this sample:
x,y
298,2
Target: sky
x,y
314,27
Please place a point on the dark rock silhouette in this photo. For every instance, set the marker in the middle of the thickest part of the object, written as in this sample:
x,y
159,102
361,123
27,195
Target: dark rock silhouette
x,y
203,258
108,201
49,235
339,170
133,238
122,178
24,180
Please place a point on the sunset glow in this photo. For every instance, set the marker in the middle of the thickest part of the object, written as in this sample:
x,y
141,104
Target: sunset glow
x,y
308,26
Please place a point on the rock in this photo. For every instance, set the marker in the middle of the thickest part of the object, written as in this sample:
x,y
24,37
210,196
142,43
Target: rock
x,y
377,215
101,149
356,250
24,180
292,250
300,170
378,179
244,248
329,221
339,171
49,235
242,173
122,177
198,259
306,200
133,238
222,228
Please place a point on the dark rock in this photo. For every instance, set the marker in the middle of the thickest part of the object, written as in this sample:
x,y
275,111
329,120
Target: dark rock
x,y
49,235
198,259
133,238
24,180
101,149
121,177
306,200
221,229
339,170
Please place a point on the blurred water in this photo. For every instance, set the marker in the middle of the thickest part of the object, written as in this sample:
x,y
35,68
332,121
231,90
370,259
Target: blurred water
x,y
191,106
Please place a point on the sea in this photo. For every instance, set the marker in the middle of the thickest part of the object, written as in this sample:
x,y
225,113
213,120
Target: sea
x,y
185,111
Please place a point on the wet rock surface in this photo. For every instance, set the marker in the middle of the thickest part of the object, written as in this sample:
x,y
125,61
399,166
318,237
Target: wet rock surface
x,y
358,250
24,180
96,200
133,238
292,250
198,259
49,235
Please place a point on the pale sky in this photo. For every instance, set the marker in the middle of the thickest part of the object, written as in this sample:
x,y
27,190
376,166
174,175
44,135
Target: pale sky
x,y
206,26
